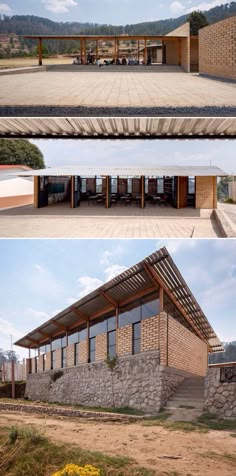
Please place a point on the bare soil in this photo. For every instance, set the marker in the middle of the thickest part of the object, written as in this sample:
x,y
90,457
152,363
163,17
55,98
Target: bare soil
x,y
173,453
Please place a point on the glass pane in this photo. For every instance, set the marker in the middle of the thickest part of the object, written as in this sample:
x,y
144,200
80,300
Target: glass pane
x,y
150,309
111,338
129,185
98,185
42,349
63,341
137,331
160,185
112,351
92,343
47,348
56,344
191,184
111,324
92,356
96,329
136,349
129,317
73,338
113,185
83,335
83,185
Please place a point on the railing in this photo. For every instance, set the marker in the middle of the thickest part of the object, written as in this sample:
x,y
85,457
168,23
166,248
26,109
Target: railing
x,y
227,371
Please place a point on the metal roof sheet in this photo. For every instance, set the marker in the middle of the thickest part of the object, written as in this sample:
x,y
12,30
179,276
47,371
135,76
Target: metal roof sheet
x,y
164,170
118,127
124,287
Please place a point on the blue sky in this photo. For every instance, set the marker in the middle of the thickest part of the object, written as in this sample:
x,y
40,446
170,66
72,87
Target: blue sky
x,y
38,278
116,12
139,152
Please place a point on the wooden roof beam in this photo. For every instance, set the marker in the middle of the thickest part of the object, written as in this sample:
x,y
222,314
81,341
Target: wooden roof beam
x,y
60,326
108,299
83,316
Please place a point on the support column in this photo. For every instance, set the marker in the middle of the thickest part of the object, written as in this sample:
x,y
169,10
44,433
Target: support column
x,y
85,52
138,52
13,388
72,192
180,51
177,192
115,55
87,340
96,49
36,192
145,52
40,51
108,191
214,192
142,191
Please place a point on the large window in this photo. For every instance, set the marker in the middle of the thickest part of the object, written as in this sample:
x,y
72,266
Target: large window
x,y
150,309
44,362
53,360
111,344
73,338
139,310
92,349
63,357
160,185
136,341
191,185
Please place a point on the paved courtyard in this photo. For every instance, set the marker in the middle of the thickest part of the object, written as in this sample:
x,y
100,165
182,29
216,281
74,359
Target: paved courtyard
x,y
97,222
119,89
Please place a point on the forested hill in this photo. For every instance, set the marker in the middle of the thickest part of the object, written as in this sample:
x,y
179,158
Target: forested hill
x,y
228,356
28,24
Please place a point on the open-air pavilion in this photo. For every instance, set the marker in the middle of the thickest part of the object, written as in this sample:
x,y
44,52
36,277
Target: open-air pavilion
x,y
168,186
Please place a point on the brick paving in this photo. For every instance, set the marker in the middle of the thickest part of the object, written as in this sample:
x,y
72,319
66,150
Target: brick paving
x,y
97,222
124,89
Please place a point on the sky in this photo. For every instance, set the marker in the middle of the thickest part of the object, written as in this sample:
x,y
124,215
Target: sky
x,y
139,152
115,12
39,278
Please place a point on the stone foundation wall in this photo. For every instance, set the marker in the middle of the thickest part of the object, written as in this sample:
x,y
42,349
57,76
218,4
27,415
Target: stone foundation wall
x,y
138,381
220,397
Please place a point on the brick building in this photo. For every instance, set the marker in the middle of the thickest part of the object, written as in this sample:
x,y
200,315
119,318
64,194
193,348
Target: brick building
x,y
146,319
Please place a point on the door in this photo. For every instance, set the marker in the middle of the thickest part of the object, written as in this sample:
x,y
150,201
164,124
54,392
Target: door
x,y
183,191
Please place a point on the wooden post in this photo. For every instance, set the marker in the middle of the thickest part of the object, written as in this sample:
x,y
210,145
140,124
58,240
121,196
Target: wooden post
x,y
96,49
107,191
138,52
36,191
214,192
142,191
40,52
161,297
13,387
87,340
72,191
145,51
180,51
177,191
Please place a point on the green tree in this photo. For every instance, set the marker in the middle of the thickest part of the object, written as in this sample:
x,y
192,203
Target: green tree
x,y
197,20
20,152
45,50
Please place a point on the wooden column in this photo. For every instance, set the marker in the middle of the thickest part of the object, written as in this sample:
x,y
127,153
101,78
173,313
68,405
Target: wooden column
x,y
108,191
145,51
177,192
40,51
214,192
138,52
36,192
97,49
180,51
161,297
13,388
142,191
115,56
72,191
81,49
87,340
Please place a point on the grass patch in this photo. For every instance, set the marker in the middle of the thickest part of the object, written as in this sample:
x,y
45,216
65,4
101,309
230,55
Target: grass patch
x,y
214,423
25,451
233,435
227,457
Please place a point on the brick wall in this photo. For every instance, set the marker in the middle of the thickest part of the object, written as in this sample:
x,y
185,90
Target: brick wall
x,y
83,352
48,361
40,363
16,201
58,358
163,338
217,49
124,346
183,30
101,347
33,365
205,191
186,351
150,334
70,355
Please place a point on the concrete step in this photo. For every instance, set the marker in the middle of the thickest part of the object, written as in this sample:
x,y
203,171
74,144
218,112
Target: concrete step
x,y
189,394
114,68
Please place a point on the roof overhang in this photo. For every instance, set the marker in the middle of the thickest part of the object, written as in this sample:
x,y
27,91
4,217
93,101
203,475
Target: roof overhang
x,y
122,37
141,279
119,127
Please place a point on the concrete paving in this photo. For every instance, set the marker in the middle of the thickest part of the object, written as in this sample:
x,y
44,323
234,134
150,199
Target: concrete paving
x,y
120,89
60,221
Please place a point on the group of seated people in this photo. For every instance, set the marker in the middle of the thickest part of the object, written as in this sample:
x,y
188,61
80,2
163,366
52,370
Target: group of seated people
x,y
125,198
91,59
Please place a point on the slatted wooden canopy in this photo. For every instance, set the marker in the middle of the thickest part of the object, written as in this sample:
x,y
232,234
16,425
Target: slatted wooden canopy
x,y
157,271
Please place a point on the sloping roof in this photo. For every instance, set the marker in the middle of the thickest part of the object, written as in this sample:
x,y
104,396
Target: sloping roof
x,y
171,171
118,127
6,167
16,187
134,280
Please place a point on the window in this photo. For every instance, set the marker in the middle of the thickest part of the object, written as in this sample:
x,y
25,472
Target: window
x,y
92,349
36,364
98,185
83,185
63,357
96,329
129,185
63,341
136,338
73,338
56,344
42,349
44,362
160,185
114,185
47,348
150,309
53,360
129,317
83,335
191,185
111,324
111,344
76,354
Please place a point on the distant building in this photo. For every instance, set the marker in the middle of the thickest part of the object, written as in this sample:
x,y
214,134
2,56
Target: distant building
x,y
15,191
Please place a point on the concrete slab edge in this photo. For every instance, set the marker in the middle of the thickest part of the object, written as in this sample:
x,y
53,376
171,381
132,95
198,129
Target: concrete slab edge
x,y
33,69
225,228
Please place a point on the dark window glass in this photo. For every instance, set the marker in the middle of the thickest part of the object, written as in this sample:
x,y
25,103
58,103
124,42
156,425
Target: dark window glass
x,y
150,309
96,329
92,349
111,324
83,335
191,185
56,344
44,362
47,348
136,338
36,364
53,359
129,317
111,344
63,357
73,338
63,341
76,354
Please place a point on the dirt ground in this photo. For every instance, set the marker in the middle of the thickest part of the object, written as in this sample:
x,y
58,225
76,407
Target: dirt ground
x,y
211,454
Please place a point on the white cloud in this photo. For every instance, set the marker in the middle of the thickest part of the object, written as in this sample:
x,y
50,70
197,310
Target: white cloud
x,y
106,257
59,6
207,5
8,329
88,284
175,246
5,9
113,271
37,315
39,268
176,7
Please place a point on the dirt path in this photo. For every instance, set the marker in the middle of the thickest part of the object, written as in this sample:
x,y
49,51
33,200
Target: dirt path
x,y
211,454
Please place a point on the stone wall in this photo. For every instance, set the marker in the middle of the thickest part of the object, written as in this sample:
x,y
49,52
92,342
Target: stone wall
x,y
217,49
220,397
138,381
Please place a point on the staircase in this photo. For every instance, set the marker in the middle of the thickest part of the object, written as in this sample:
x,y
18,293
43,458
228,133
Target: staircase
x,y
187,403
